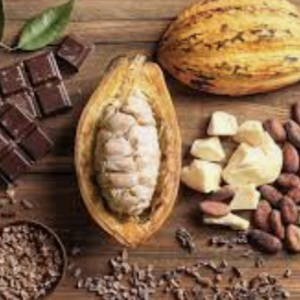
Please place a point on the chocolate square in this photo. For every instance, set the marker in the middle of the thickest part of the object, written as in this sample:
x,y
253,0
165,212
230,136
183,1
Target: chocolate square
x,y
42,68
74,50
36,144
13,79
53,98
14,121
13,164
26,102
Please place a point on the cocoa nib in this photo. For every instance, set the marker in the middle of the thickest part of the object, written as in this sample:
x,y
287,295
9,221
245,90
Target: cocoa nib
x,y
265,242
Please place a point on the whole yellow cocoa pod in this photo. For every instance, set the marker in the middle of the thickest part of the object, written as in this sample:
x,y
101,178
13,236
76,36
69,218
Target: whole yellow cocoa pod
x,y
234,47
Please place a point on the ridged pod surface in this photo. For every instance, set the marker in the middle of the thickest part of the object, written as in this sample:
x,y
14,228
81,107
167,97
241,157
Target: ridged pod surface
x,y
234,47
128,151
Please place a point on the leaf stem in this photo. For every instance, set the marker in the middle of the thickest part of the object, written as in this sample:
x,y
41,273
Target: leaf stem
x,y
6,47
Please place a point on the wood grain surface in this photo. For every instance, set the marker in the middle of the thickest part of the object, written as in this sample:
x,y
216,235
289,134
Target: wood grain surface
x,y
118,27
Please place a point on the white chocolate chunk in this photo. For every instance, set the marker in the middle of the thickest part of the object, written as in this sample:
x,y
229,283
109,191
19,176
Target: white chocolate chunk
x,y
254,165
202,176
246,198
250,132
233,221
209,149
222,124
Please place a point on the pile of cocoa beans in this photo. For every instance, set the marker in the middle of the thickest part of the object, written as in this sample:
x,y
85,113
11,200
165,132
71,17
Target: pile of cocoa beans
x,y
277,218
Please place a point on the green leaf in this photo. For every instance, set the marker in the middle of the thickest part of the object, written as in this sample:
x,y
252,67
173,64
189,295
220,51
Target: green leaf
x,y
2,19
45,27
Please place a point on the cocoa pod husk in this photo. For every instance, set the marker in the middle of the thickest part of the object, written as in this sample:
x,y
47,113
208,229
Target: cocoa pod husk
x,y
276,130
261,216
264,241
293,133
290,158
276,224
293,238
214,209
271,194
289,210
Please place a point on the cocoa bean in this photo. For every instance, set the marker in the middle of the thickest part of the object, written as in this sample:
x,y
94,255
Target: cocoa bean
x,y
224,194
288,181
294,194
296,112
293,238
289,210
293,133
261,216
276,224
290,158
214,209
271,194
276,130
264,241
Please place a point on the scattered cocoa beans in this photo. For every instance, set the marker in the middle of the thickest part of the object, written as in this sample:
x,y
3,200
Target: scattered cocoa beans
x,y
288,181
289,210
264,241
294,194
275,129
261,216
290,158
271,194
293,133
276,225
224,194
293,238
214,209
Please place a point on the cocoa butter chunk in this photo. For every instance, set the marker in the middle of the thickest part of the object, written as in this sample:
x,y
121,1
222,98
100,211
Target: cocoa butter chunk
x,y
264,241
293,238
230,220
289,210
214,209
222,124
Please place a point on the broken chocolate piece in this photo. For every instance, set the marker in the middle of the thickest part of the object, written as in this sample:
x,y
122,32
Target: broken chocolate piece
x,y
74,50
42,68
13,79
53,98
13,120
35,143
13,164
25,101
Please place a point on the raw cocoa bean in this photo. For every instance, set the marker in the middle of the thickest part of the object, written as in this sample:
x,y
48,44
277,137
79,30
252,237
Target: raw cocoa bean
x,y
224,194
289,210
290,158
296,112
288,181
294,194
264,241
214,209
276,224
261,216
293,238
276,130
271,194
293,133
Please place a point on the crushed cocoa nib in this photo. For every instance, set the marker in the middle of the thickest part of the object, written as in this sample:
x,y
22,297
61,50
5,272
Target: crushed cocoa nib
x,y
237,240
185,239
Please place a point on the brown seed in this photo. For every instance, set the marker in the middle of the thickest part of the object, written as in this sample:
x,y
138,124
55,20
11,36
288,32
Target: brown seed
x,y
294,194
293,133
296,112
264,241
214,209
290,158
275,129
289,210
288,181
271,194
293,238
261,216
224,194
276,224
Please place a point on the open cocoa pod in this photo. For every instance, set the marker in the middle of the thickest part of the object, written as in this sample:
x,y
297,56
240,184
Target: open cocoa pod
x,y
128,151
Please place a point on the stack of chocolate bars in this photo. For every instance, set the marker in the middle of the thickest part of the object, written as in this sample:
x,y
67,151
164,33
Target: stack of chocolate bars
x,y
30,89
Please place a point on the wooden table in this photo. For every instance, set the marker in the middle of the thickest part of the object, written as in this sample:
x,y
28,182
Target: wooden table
x,y
117,27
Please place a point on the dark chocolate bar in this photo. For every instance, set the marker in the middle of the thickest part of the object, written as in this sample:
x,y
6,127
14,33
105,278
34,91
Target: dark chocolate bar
x,y
42,68
74,50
